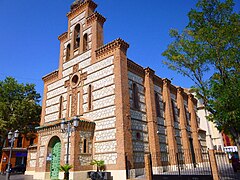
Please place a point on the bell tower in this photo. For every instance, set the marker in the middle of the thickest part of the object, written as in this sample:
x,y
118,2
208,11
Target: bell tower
x,y
85,32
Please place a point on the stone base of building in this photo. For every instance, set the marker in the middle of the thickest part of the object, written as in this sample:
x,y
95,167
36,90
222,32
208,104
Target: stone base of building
x,y
116,174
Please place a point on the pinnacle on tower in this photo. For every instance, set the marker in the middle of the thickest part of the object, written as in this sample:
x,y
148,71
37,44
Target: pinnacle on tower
x,y
76,3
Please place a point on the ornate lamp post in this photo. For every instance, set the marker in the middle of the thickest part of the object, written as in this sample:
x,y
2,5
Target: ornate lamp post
x,y
68,130
11,137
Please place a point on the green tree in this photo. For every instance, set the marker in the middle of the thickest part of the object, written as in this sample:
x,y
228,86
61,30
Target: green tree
x,y
19,108
208,52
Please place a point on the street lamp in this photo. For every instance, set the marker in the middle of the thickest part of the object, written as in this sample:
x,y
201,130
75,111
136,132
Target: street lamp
x,y
11,138
69,129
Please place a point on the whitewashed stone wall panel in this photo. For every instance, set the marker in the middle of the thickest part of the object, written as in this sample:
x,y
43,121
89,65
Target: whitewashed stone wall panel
x,y
139,126
110,158
41,161
33,155
85,160
100,93
101,113
99,65
32,163
99,74
88,31
107,101
173,96
51,117
85,63
43,140
52,109
67,72
78,18
77,59
57,84
106,123
103,82
105,147
138,115
56,92
105,135
157,89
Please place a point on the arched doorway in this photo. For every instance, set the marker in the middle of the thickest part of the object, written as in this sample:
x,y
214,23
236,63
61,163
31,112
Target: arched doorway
x,y
54,148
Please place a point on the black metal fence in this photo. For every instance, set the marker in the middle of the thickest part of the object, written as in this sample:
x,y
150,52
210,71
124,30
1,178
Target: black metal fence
x,y
225,167
183,164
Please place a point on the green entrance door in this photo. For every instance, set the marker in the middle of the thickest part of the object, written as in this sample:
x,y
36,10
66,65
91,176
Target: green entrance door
x,y
55,163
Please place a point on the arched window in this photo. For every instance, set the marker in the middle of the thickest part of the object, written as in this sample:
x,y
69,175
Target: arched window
x,y
60,107
68,52
85,146
90,97
135,96
157,102
76,36
85,42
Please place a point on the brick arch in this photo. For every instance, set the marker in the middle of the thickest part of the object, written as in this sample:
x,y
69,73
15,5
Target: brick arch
x,y
52,140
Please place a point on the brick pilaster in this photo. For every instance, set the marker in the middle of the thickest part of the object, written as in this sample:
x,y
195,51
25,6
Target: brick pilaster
x,y
183,126
152,118
122,112
194,127
172,146
213,163
148,167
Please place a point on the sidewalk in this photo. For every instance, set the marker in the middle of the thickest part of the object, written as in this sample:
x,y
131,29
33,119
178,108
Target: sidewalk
x,y
16,177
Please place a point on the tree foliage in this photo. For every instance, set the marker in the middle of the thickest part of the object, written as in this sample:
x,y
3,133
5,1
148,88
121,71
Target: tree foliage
x,y
208,52
19,108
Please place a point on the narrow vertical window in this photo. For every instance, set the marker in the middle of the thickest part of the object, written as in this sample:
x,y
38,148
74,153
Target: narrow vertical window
x,y
174,112
68,52
19,141
157,101
90,97
85,146
135,96
187,116
85,42
31,141
60,107
76,36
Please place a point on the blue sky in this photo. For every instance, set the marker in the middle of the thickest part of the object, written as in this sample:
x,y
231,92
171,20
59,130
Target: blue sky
x,y
29,46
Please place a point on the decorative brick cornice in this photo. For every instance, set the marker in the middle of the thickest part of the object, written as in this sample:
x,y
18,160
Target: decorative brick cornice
x,y
81,7
62,36
191,98
158,81
166,82
173,89
116,44
83,124
149,72
95,17
135,68
50,76
180,90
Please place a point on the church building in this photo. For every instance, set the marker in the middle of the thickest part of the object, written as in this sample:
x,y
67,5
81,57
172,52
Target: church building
x,y
125,111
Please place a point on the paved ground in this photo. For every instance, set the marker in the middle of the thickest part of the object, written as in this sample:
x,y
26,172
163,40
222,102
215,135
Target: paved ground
x,y
16,177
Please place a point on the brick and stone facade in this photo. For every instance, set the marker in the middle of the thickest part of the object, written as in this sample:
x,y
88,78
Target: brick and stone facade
x,y
126,110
